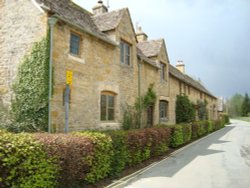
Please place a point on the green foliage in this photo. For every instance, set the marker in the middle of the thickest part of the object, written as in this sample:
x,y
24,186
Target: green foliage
x,y
202,110
30,104
150,98
121,154
234,105
245,107
24,164
177,136
187,132
132,114
185,111
71,153
101,160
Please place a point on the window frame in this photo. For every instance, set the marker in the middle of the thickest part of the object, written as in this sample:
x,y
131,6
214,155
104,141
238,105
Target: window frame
x,y
108,117
163,116
163,71
71,44
125,53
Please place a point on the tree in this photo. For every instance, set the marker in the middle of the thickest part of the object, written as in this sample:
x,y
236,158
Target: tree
x,y
234,105
245,107
184,110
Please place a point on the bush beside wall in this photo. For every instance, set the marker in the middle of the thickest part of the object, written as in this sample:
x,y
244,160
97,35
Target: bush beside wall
x,y
58,160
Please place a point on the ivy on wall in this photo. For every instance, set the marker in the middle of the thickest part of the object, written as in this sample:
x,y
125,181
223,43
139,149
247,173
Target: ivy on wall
x,y
133,114
30,104
202,110
184,110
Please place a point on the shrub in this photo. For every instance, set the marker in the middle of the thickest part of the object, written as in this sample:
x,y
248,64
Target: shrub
x,y
120,149
187,132
195,129
100,161
177,136
70,152
24,164
185,111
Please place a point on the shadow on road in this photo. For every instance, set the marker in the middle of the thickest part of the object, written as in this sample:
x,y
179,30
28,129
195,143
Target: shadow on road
x,y
175,163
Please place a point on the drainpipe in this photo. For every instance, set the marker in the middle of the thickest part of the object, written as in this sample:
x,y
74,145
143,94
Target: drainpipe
x,y
52,21
139,91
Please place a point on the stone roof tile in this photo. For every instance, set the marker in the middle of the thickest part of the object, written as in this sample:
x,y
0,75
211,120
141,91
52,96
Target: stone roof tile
x,y
74,14
146,59
150,48
187,79
109,20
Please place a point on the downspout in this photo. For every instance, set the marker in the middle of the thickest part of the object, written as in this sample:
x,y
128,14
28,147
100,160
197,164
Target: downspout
x,y
52,21
139,91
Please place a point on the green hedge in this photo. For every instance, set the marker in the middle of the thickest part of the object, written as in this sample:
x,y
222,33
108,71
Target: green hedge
x,y
24,163
59,160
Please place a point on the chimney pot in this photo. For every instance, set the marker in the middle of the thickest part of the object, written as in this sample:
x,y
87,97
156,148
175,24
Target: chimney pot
x,y
140,35
180,66
100,8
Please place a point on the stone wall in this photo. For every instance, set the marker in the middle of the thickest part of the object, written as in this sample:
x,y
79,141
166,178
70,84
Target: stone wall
x,y
96,69
21,24
178,87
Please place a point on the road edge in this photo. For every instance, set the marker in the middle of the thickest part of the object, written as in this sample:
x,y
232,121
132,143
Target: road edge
x,y
124,180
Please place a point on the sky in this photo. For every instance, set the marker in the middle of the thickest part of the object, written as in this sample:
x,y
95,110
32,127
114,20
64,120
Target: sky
x,y
212,37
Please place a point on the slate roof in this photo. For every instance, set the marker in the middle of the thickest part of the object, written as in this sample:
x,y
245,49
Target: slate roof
x,y
73,14
187,79
146,59
109,20
150,48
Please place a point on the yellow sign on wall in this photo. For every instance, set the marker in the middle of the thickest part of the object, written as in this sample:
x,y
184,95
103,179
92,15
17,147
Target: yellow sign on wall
x,y
69,77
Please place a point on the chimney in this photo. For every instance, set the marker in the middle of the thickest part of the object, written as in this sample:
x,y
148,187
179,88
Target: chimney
x,y
100,8
180,66
140,35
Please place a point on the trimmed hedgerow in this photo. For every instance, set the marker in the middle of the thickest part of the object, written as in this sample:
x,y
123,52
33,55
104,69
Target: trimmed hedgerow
x,y
100,161
70,152
120,151
177,136
59,160
24,164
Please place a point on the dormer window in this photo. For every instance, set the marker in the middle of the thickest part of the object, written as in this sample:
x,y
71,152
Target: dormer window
x,y
75,44
125,53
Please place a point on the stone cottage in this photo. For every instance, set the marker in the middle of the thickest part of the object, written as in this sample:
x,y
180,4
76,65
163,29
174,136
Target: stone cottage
x,y
112,64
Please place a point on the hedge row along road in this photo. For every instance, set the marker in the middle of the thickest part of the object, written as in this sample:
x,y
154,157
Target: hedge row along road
x,y
220,160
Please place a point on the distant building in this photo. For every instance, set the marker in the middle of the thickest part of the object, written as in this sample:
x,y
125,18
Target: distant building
x,y
112,64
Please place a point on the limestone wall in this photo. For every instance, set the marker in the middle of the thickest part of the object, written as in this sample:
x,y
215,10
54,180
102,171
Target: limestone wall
x,y
21,24
97,69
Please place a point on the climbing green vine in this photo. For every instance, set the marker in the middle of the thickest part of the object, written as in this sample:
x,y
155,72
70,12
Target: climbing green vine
x,y
30,105
133,114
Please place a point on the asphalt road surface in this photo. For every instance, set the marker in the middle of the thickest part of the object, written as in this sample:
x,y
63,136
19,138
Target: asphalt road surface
x,y
221,160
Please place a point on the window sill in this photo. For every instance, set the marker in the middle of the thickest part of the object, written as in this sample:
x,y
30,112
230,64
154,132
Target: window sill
x,y
76,59
110,125
126,66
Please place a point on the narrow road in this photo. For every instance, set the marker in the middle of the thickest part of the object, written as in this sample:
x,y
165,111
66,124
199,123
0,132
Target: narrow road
x,y
221,160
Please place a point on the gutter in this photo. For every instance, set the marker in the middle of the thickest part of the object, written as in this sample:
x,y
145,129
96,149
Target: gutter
x,y
52,22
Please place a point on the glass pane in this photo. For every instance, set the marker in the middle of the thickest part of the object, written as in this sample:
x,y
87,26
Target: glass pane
x,y
122,52
74,44
111,114
111,101
103,107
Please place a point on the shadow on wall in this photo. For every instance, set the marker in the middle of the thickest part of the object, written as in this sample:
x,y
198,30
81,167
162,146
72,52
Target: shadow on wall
x,y
176,163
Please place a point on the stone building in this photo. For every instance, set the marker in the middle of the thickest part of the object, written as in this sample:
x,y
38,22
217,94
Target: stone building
x,y
112,64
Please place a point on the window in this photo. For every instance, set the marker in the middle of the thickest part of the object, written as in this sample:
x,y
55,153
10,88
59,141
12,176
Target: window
x,y
163,69
163,110
125,53
107,107
74,44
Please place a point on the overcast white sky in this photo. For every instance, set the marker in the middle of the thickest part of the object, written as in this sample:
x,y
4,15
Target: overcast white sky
x,y
212,37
